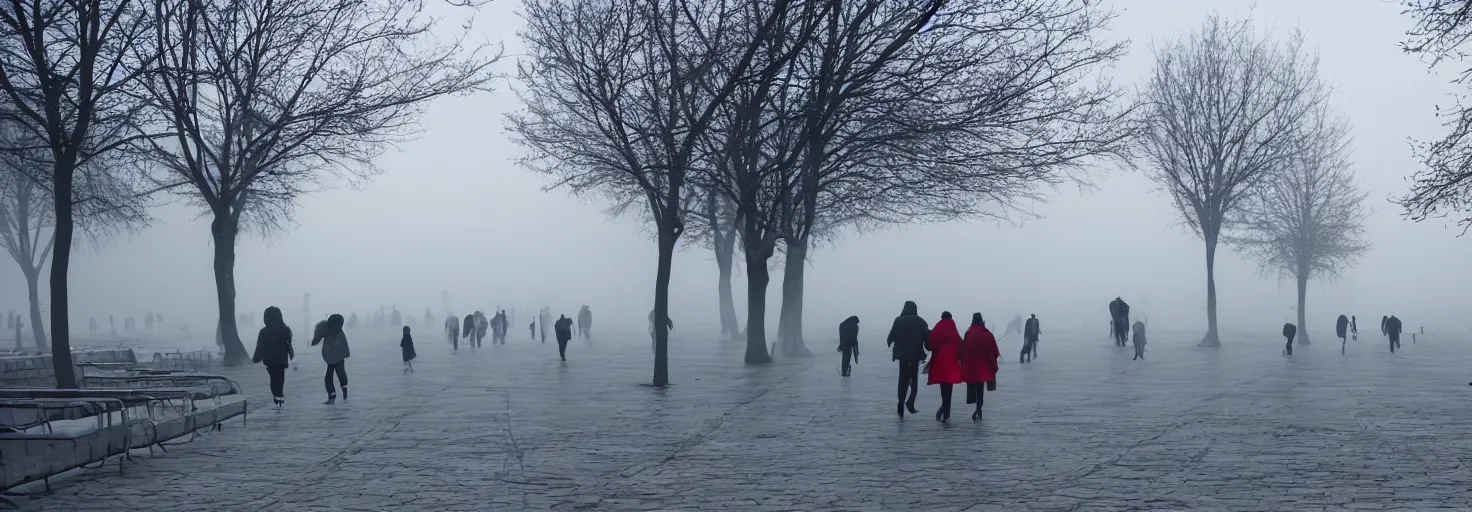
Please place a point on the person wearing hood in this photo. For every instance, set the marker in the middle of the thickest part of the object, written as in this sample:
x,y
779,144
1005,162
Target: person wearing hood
x,y
273,348
335,353
407,345
907,338
1393,330
1289,331
563,330
848,342
944,342
978,355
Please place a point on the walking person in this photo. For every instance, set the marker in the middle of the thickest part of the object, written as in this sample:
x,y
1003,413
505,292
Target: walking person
x,y
407,346
1030,339
1393,330
563,330
978,355
1354,329
945,366
273,348
848,342
1341,329
1289,330
1139,340
335,353
452,330
907,338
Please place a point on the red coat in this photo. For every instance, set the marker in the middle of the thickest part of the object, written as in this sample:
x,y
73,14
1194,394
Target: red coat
x,y
945,368
979,355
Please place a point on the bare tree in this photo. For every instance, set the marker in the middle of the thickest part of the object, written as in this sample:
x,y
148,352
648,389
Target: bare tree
x,y
1308,220
617,96
1444,187
261,101
1223,108
65,70
714,221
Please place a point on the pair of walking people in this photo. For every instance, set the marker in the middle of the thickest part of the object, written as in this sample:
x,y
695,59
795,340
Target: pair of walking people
x,y
953,359
273,348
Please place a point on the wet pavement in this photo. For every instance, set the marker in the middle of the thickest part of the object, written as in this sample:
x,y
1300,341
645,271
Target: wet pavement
x,y
1083,428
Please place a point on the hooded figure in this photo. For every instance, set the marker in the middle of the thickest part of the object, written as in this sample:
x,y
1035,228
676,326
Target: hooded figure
x,y
1119,314
585,322
945,366
978,357
452,331
848,342
406,344
1341,329
469,330
335,353
907,337
1289,330
563,330
273,348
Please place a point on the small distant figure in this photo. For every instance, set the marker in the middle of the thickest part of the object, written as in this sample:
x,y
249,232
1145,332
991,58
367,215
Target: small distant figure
x,y
978,355
481,324
407,345
1289,331
1354,329
1139,340
546,317
467,330
1383,320
500,326
1014,326
1341,329
848,342
533,329
585,323
563,330
273,348
1119,314
1030,339
1393,330
452,331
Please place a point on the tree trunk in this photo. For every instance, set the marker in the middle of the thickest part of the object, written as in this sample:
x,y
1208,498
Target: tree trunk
x,y
662,305
757,279
1302,299
1211,339
61,258
38,328
730,324
225,230
789,325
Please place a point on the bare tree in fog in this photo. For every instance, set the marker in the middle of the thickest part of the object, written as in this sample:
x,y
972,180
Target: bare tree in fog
x,y
618,94
1308,220
1223,108
715,221
262,101
66,67
1444,187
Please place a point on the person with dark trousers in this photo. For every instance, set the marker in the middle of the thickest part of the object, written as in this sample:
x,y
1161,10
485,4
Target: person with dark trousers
x,y
1393,330
406,345
563,330
907,338
945,366
978,357
1341,329
1289,331
848,342
273,348
1030,332
335,353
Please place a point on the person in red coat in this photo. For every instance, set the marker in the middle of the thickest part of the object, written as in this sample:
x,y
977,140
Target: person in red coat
x,y
945,368
978,357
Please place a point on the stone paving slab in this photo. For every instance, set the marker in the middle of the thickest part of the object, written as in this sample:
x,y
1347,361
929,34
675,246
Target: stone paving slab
x,y
1083,428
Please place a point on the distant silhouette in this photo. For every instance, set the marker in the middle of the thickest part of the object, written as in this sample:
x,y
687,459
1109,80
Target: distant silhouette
x,y
848,342
1030,334
1119,315
1393,330
563,330
585,323
1354,328
1341,329
452,331
406,344
1289,330
468,328
1139,340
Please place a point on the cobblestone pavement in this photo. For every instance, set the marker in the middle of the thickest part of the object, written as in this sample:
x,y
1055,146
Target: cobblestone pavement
x,y
1083,428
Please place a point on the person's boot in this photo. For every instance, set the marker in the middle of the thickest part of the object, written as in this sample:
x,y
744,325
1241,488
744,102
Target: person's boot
x,y
331,399
911,406
976,416
344,392
901,408
277,403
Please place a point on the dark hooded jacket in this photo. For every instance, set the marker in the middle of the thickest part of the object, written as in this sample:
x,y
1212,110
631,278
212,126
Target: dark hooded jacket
x,y
1341,326
848,334
563,328
1393,327
1289,330
907,335
334,341
273,343
469,329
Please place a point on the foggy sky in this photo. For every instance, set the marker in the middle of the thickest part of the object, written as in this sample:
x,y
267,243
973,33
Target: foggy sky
x,y
453,213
